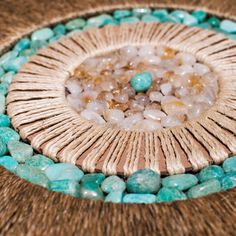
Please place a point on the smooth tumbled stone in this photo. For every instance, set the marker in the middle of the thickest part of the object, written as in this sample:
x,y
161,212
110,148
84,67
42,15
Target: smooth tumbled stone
x,y
170,194
229,165
141,82
121,13
62,171
204,25
42,34
143,181
199,15
98,21
130,19
171,19
5,58
179,14
138,12
4,88
66,186
228,26
20,151
9,163
4,121
75,24
205,188
2,103
39,161
15,64
90,190
150,18
115,197
190,20
37,44
180,182
214,22
7,78
7,134
22,44
1,71
113,183
210,172
139,198
162,13
3,147
94,177
229,181
59,29
28,53
111,22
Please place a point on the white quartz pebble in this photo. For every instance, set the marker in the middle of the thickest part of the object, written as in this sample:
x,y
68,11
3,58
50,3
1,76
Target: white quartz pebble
x,y
74,87
170,121
114,116
166,88
153,114
92,116
97,106
201,69
155,96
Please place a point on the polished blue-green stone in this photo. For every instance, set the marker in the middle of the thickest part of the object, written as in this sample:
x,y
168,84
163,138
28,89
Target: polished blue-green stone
x,y
204,25
141,82
3,148
2,72
4,88
139,12
229,180
179,14
39,161
23,44
7,134
200,15
62,171
42,34
161,14
171,19
113,183
7,78
232,36
121,14
2,103
150,19
66,186
28,53
214,21
78,23
20,151
90,190
37,44
4,121
143,181
115,197
228,26
9,163
205,188
59,29
15,64
55,38
5,58
210,172
111,22
170,194
180,181
130,19
139,198
229,165
98,21
190,20
94,177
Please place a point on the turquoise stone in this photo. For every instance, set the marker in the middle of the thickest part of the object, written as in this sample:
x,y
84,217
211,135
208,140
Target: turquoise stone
x,y
37,44
143,181
229,180
9,163
141,82
180,181
161,14
200,15
4,121
205,188
2,103
170,194
55,38
121,14
210,172
139,198
3,148
62,171
115,197
150,19
39,161
229,165
139,12
98,21
32,174
20,151
204,25
42,34
7,78
78,23
23,44
4,88
1,71
94,177
171,19
214,21
7,134
59,29
28,53
15,64
228,26
113,183
130,19
190,20
66,186
90,190
5,58
232,36
111,22
179,14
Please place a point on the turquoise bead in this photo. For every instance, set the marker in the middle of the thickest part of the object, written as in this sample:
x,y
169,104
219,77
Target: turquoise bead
x,y
214,22
121,14
170,194
7,134
9,163
4,121
139,12
1,71
4,88
179,14
190,20
228,26
113,183
37,44
2,103
111,22
15,64
20,151
143,181
3,148
180,181
42,34
205,188
62,171
28,53
130,20
115,197
78,23
139,198
98,21
228,181
59,29
7,78
161,14
94,177
23,44
150,19
171,19
141,82
210,172
5,58
200,15
229,165
39,161
90,190
65,186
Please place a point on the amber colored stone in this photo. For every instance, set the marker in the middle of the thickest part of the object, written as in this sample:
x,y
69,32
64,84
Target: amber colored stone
x,y
195,81
154,105
170,75
169,53
98,80
86,99
121,106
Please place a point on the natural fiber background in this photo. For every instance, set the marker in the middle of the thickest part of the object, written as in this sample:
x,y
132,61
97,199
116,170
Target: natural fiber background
x,y
26,209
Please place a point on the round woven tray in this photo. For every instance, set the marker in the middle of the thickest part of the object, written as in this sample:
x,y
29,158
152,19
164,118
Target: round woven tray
x,y
26,209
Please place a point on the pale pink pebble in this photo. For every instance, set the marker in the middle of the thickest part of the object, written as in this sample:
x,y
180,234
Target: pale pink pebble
x,y
130,121
146,51
154,60
75,102
186,58
108,85
184,69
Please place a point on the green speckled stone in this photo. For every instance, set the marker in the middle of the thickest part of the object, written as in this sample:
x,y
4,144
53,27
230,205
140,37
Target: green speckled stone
x,y
229,165
141,82
170,194
7,134
130,19
113,183
4,121
5,58
210,172
228,181
94,177
7,78
3,148
161,14
139,198
118,14
90,190
15,64
42,34
143,181
2,103
39,161
115,197
78,23
139,12
59,29
22,44
200,15
98,21
20,151
205,188
228,26
214,21
150,19
9,163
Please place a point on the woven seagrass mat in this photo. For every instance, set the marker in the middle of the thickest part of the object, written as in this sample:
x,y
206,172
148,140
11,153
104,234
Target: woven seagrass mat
x,y
26,209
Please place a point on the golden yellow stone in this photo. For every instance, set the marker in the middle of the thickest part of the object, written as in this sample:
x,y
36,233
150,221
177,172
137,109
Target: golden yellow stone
x,y
168,54
195,82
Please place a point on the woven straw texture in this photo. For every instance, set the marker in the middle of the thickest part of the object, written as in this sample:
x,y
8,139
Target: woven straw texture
x,y
26,209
